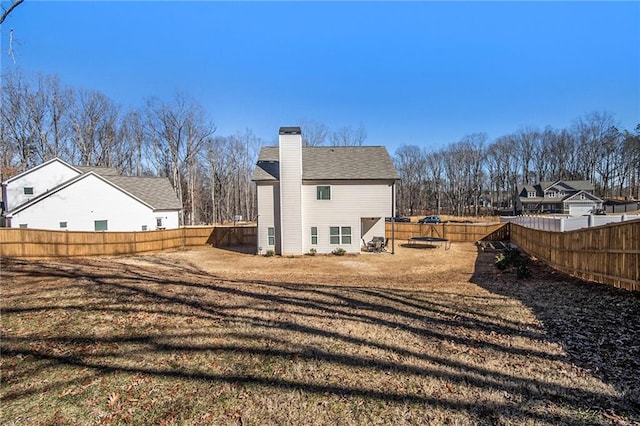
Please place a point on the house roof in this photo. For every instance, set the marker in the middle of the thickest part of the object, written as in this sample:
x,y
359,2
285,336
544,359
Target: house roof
x,y
102,171
331,163
156,192
578,185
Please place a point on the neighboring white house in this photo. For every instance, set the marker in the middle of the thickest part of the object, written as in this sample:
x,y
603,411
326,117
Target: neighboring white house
x,y
321,198
572,197
56,195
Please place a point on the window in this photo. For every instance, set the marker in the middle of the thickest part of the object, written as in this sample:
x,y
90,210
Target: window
x,y
271,236
552,194
144,227
340,235
159,223
314,235
23,225
323,192
100,225
532,194
582,196
63,225
28,190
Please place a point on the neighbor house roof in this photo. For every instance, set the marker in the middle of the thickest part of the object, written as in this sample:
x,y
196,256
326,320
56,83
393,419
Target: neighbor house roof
x,y
155,191
578,185
102,171
331,163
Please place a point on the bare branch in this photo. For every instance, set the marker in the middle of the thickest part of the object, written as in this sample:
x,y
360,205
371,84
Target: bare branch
x,y
6,13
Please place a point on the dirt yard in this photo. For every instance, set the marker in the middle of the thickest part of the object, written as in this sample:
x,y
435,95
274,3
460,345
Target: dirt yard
x,y
206,336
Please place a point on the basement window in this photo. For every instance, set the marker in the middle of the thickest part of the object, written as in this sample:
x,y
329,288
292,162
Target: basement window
x,y
100,225
323,192
23,225
28,190
63,225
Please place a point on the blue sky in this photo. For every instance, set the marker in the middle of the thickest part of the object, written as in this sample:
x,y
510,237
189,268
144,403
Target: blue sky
x,y
423,73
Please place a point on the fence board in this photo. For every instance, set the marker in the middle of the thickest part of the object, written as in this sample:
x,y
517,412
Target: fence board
x,y
607,254
17,242
456,232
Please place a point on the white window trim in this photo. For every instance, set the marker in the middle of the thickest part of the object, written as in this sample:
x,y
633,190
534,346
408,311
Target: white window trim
x,y
271,239
340,235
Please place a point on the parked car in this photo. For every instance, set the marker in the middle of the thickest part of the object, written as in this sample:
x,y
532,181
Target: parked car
x,y
397,219
430,219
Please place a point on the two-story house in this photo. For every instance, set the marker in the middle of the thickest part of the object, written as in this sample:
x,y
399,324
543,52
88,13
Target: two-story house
x,y
321,198
58,196
571,197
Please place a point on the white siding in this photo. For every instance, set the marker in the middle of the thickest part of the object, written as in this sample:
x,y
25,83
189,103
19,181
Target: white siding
x,y
291,194
350,202
268,216
40,179
87,200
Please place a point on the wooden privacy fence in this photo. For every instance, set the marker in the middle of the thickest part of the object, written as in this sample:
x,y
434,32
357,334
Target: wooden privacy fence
x,y
608,254
16,242
456,232
234,236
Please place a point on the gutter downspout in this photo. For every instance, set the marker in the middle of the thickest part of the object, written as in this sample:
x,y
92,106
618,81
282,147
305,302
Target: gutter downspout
x,y
393,218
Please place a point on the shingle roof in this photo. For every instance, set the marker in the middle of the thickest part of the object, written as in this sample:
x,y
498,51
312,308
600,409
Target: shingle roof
x,y
331,163
155,191
102,171
578,185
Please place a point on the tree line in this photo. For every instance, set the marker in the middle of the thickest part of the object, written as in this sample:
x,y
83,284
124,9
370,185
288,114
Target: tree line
x,y
41,118
475,175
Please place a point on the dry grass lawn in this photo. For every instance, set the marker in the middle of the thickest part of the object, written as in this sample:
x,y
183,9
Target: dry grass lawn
x,y
206,336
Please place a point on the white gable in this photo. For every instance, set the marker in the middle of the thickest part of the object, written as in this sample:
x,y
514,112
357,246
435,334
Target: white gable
x,y
32,183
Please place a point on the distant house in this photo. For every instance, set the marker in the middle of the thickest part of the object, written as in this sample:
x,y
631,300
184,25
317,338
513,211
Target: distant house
x,y
572,197
56,195
321,198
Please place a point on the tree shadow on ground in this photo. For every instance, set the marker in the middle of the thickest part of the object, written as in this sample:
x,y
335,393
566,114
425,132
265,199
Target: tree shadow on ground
x,y
597,325
172,320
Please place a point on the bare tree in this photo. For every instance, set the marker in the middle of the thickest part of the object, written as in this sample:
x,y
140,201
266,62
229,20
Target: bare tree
x,y
178,132
348,136
410,163
313,133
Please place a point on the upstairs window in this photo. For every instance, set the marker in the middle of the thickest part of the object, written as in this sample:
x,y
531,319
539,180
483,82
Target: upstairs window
x,y
532,194
551,194
323,192
28,190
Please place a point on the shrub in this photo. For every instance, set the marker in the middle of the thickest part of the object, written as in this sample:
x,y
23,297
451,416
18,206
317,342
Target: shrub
x,y
312,252
270,253
339,251
513,258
